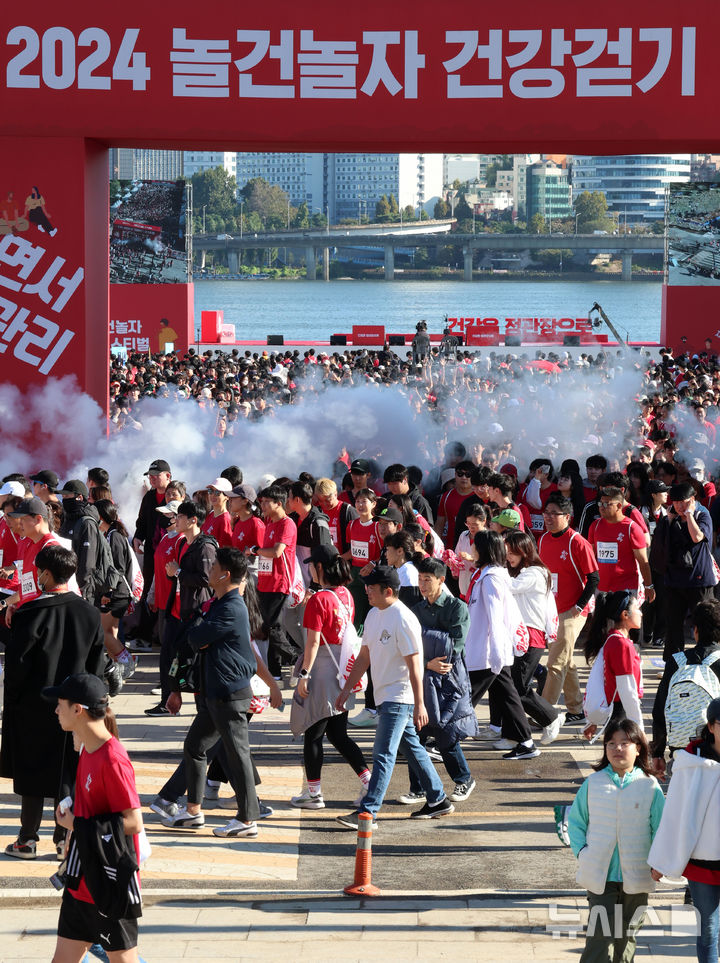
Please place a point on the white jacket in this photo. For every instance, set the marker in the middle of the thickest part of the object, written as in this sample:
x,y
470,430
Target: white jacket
x,y
530,591
494,621
690,825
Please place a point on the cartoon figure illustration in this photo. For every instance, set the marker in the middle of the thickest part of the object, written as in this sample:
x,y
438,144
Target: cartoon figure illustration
x,y
10,221
167,337
36,213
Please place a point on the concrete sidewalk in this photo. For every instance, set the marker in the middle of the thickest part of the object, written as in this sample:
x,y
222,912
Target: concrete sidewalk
x,y
330,929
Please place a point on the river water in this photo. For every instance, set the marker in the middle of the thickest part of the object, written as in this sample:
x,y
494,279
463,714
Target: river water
x,y
313,310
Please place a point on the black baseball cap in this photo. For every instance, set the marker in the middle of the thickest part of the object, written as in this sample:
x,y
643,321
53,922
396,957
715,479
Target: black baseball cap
x,y
656,487
681,491
244,491
157,466
390,514
384,575
46,477
87,690
324,554
360,467
72,488
30,506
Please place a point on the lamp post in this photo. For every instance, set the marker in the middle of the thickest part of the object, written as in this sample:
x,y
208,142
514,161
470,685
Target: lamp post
x,y
576,220
242,204
203,210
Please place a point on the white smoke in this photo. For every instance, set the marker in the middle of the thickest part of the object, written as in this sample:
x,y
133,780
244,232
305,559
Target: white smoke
x,y
58,427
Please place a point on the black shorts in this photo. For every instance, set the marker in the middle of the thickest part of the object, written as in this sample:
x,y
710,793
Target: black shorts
x,y
82,921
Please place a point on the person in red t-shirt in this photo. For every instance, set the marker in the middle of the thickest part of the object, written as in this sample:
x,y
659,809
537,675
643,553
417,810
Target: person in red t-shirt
x,y
620,548
10,535
537,491
501,490
218,522
276,574
249,528
33,515
327,614
621,661
451,500
574,574
339,514
104,786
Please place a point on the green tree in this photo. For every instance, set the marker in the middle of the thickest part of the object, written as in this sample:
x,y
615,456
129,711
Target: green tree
x,y
537,224
408,213
382,210
269,202
319,220
302,216
590,207
552,258
392,201
215,190
424,216
442,210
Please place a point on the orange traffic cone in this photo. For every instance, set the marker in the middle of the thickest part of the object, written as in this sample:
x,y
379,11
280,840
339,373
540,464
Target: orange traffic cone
x,y
361,885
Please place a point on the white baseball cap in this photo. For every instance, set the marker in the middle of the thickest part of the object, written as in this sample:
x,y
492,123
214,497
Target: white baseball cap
x,y
13,488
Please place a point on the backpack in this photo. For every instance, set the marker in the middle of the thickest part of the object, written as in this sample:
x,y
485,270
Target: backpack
x,y
350,645
691,689
595,705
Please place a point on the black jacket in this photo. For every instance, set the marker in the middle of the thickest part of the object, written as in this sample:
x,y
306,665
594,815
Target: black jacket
x,y
102,854
51,637
95,572
419,503
313,530
150,524
195,566
222,637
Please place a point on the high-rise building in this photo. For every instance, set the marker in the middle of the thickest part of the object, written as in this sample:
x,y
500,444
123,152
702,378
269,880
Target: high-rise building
x,y
195,161
131,163
301,176
634,185
519,185
548,191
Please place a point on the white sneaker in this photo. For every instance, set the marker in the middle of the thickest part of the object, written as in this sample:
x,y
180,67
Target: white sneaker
x,y
551,732
306,801
236,828
487,732
504,744
364,719
211,792
358,801
412,798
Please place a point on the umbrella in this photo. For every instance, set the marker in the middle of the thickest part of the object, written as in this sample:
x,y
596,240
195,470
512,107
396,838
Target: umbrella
x,y
548,366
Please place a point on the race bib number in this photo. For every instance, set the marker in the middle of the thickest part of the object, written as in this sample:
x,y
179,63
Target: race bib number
x,y
360,550
27,584
265,565
2,552
607,553
554,582
536,523
333,534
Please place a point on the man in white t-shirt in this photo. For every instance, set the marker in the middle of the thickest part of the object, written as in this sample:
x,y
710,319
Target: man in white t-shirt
x,y
392,645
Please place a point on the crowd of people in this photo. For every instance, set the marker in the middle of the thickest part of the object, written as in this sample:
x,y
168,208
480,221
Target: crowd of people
x,y
415,591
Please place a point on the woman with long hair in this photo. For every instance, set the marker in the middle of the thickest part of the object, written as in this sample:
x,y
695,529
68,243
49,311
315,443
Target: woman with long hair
x,y
113,608
496,627
327,614
478,518
570,484
616,615
400,553
611,826
638,477
531,586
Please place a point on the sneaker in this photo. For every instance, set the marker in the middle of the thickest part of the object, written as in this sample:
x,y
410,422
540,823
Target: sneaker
x,y
462,790
551,732
412,798
307,801
364,719
575,719
164,808
60,850
184,820
211,792
156,691
236,828
561,823
158,710
265,811
113,678
442,808
224,802
434,753
138,645
522,752
351,821
658,643
504,744
18,850
127,667
487,732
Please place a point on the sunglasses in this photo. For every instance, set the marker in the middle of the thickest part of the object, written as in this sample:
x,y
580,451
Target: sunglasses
x,y
462,474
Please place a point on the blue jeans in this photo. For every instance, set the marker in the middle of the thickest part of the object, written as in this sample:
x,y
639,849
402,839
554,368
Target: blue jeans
x,y
706,900
396,730
454,761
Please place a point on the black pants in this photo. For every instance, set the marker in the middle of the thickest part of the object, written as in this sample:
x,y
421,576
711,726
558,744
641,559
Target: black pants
x,y
654,613
281,651
523,672
31,813
229,721
174,633
504,699
335,728
681,602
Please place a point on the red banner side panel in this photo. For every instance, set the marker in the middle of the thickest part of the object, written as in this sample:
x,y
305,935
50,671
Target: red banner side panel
x,y
691,315
151,317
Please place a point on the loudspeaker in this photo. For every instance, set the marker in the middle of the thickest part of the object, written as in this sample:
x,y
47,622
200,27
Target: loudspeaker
x,y
338,339
571,340
513,341
396,340
275,339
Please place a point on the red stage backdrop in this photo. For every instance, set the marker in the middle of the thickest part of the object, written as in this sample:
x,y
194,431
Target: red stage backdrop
x,y
621,78
137,311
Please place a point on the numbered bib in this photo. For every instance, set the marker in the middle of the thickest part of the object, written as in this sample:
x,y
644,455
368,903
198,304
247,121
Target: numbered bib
x,y
333,534
265,565
607,553
2,552
536,523
360,550
27,584
554,582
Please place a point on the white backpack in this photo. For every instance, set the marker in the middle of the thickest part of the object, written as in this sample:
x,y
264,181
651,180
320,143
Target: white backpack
x,y
691,689
595,704
350,646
